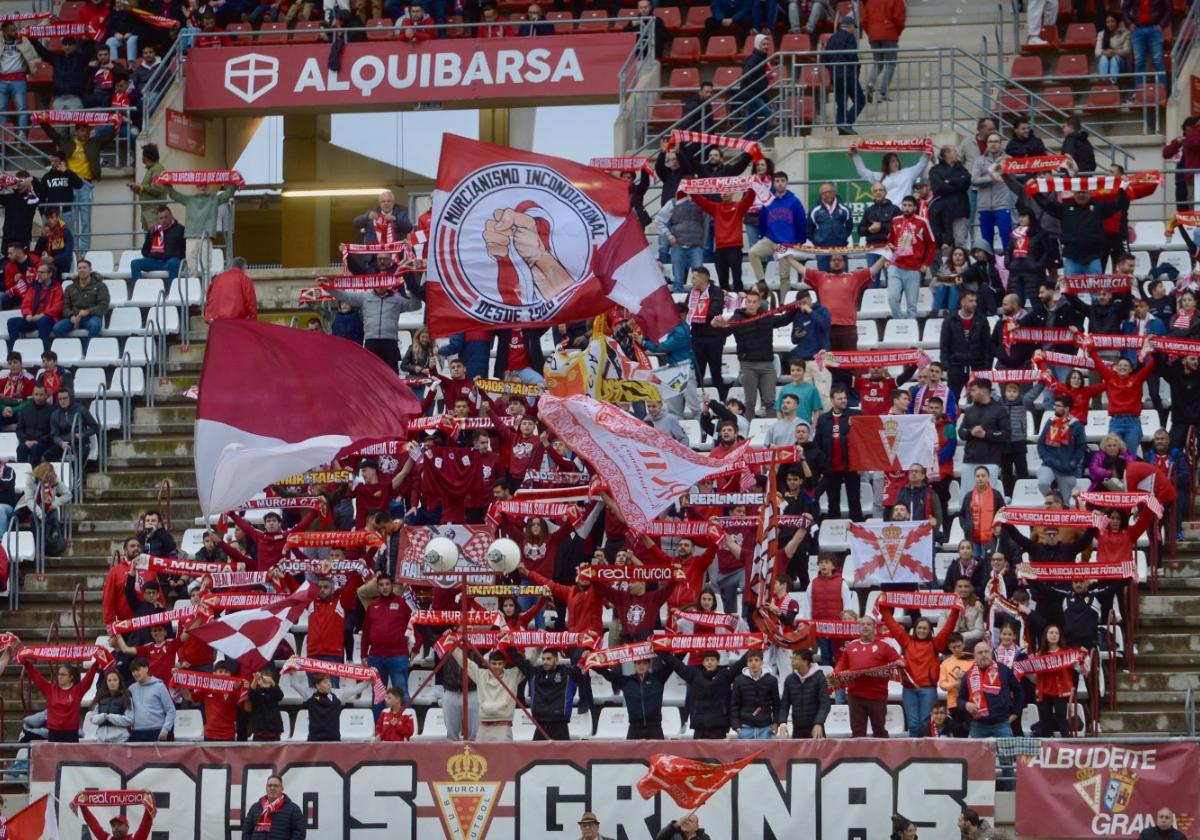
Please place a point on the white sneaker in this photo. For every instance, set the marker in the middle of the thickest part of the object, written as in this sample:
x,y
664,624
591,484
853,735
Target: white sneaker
x,y
1037,41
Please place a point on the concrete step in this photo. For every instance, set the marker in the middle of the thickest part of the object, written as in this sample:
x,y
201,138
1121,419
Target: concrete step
x,y
155,446
122,513
172,413
1186,646
1156,681
90,577
34,620
175,384
1168,720
1170,605
166,462
144,476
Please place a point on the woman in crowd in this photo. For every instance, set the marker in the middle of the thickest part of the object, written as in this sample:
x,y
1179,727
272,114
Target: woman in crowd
x,y
921,651
1112,47
1054,689
112,711
63,697
1107,466
979,506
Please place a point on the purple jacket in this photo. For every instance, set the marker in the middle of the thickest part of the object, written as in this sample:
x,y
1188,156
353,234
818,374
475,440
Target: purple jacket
x,y
1099,472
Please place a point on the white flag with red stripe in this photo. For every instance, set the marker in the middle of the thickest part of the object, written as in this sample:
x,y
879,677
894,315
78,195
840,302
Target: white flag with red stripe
x,y
521,239
251,636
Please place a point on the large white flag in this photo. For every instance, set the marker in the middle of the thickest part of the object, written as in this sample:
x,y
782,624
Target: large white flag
x,y
646,470
890,552
892,442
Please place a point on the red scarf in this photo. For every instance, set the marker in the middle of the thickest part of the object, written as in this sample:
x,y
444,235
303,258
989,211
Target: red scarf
x,y
158,242
55,240
268,811
1059,432
980,684
52,381
385,231
1182,321
1020,242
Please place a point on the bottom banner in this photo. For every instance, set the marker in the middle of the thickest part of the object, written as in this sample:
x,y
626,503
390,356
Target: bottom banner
x,y
1107,790
532,791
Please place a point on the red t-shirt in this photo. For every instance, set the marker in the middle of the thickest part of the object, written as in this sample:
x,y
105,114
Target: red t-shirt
x,y
875,395
839,293
161,658
517,357
220,716
368,497
394,726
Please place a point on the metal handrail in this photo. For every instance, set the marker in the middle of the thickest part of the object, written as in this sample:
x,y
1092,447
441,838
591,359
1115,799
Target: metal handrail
x,y
1189,710
15,145
14,564
73,458
125,375
163,491
1185,41
79,612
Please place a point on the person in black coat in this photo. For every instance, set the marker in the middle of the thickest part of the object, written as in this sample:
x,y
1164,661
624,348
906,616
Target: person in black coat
x,y
643,693
1163,828
697,109
1023,142
983,278
1077,145
984,429
837,448
805,698
1027,256
950,182
34,435
754,700
751,96
19,207
688,828
324,711
71,71
1013,356
1105,316
711,684
965,344
708,342
285,823
662,35
841,57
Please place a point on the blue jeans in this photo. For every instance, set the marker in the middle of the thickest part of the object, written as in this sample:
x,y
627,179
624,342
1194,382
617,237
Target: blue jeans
x,y
83,217
6,512
847,87
752,234
18,327
883,53
1071,266
945,296
908,282
1147,42
683,260
989,220
759,113
1110,66
171,266
15,90
1128,428
393,670
979,729
918,704
92,323
131,48
765,12
754,733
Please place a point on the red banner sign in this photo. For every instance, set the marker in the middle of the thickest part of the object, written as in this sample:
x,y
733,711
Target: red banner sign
x,y
1107,790
375,74
185,132
405,791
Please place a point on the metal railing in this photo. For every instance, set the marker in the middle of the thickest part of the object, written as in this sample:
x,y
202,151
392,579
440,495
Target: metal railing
x,y
17,150
1185,42
933,89
79,613
14,565
1189,710
163,494
125,378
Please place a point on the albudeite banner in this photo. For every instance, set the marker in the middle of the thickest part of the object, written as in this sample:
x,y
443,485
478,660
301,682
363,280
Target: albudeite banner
x,y
531,791
1107,790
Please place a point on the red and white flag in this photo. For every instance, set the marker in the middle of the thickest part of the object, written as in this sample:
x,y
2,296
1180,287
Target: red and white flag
x,y
521,239
251,636
645,470
36,821
688,781
890,552
315,396
892,442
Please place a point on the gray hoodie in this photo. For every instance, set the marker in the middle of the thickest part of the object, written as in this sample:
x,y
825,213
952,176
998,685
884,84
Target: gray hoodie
x,y
153,707
380,313
993,194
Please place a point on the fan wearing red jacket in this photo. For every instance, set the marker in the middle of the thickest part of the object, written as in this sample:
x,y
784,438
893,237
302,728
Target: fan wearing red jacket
x,y
867,695
63,698
272,540
913,251
416,26
394,724
1124,388
327,621
41,307
728,215
119,826
220,707
921,656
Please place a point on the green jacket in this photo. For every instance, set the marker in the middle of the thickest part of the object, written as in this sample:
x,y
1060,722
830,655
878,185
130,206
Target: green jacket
x,y
201,209
94,298
151,192
65,140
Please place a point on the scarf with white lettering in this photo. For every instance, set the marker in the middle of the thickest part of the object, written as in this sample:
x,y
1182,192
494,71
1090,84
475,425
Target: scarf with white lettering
x,y
1077,571
908,144
211,683
361,282
750,147
342,670
980,684
722,186
623,164
335,539
76,117
1034,163
153,620
617,655
1059,660
707,620
65,653
688,643
201,177
840,679
1118,284
872,359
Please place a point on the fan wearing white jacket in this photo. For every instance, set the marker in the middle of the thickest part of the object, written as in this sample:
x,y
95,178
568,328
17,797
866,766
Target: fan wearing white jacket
x,y
897,180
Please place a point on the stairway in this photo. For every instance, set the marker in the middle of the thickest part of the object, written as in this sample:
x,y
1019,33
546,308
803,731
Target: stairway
x,y
160,447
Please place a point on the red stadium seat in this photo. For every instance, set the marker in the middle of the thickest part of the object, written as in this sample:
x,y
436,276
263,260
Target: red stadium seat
x,y
1014,101
1026,67
234,31
1071,65
670,16
683,51
823,40
1059,97
1080,36
43,74
683,80
1103,98
697,16
592,20
625,15
1154,95
380,29
563,22
812,76
720,49
279,30
307,32
726,76
69,11
666,112
1050,36
796,43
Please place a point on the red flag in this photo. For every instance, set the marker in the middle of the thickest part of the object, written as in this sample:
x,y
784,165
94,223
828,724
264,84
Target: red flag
x,y
688,781
36,821
521,239
314,396
251,636
892,442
